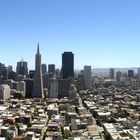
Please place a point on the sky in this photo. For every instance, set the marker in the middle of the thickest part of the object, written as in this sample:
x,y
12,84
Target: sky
x,y
100,33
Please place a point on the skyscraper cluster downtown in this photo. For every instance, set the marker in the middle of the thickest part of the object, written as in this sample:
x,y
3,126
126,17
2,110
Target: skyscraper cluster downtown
x,y
52,104
41,83
59,82
67,71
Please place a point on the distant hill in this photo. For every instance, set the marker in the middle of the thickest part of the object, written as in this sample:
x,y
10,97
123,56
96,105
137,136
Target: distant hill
x,y
105,71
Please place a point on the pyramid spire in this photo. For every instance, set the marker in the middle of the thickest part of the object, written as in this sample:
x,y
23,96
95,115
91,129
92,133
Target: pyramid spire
x,y
38,49
38,83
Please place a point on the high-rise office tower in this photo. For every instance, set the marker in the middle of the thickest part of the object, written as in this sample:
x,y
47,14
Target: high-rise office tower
x,y
87,77
63,87
138,71
29,87
80,81
46,80
118,76
3,73
0,73
51,68
67,65
44,68
130,73
111,73
22,67
38,83
53,93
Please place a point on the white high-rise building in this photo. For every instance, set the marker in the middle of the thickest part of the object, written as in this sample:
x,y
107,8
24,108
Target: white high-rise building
x,y
53,88
87,77
4,92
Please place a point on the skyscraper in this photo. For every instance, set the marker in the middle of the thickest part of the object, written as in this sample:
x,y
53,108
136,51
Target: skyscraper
x,y
67,65
44,68
3,73
0,73
118,76
111,73
130,73
29,87
80,81
38,83
87,77
22,67
51,68
138,71
53,93
63,87
46,80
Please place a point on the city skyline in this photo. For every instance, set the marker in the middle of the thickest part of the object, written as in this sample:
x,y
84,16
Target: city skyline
x,y
100,33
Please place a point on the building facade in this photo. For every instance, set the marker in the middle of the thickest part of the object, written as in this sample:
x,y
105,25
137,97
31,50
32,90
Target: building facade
x,y
111,73
67,65
38,83
44,68
22,68
87,77
51,68
130,73
53,93
4,92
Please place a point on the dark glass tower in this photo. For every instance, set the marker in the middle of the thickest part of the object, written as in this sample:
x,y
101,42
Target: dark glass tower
x,y
38,83
131,73
3,73
67,65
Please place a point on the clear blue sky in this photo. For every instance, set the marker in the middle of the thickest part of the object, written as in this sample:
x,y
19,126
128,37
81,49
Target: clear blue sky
x,y
101,33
